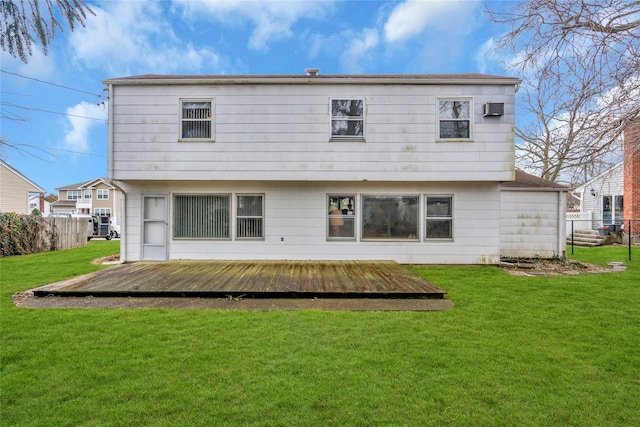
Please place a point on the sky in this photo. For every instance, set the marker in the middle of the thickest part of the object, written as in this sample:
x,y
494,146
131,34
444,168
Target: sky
x,y
54,108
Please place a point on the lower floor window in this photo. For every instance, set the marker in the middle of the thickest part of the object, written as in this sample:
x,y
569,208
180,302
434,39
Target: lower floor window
x,y
250,216
202,216
102,211
439,219
341,217
390,217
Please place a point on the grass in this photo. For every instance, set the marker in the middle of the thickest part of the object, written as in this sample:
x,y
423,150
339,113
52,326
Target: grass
x,y
525,351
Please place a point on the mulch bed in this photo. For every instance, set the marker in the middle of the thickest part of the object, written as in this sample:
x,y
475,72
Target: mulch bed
x,y
548,267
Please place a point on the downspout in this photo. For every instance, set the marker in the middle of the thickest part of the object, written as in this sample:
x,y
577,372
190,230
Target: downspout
x,y
110,109
123,201
562,224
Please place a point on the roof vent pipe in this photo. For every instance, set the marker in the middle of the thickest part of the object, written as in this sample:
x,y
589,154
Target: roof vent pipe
x,y
312,71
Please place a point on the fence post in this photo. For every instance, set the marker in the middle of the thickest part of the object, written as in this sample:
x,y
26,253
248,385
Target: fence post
x,y
629,238
571,237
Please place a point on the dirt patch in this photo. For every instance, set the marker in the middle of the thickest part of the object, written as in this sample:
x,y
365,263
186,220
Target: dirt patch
x,y
111,259
548,267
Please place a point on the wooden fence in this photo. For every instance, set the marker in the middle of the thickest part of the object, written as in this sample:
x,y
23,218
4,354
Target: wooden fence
x,y
68,233
27,234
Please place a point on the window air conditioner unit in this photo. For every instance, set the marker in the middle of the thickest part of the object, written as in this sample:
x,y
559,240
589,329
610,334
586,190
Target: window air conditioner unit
x,y
493,109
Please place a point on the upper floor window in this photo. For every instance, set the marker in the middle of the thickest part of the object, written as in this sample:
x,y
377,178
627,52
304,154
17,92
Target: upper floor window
x,y
103,194
454,119
347,118
87,194
195,121
74,194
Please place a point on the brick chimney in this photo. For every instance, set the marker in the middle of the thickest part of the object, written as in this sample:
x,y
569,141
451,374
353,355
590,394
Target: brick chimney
x,y
632,176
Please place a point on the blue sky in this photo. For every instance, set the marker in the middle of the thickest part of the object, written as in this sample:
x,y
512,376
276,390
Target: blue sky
x,y
58,123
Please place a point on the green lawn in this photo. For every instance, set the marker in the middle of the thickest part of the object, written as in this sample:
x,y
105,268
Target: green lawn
x,y
525,351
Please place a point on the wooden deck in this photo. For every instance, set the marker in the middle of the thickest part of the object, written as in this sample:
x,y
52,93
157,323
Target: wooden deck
x,y
250,279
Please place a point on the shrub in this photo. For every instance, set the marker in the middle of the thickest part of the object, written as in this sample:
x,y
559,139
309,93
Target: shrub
x,y
23,234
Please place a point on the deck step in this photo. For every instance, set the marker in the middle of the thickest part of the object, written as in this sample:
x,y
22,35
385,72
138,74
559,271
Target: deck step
x,y
587,238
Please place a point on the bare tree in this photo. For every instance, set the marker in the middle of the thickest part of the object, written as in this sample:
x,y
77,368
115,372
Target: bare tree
x,y
579,61
23,22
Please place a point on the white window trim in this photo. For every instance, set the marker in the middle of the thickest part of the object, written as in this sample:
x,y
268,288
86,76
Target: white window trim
x,y
102,191
354,215
236,217
98,211
78,192
209,239
426,218
471,119
212,121
419,224
333,137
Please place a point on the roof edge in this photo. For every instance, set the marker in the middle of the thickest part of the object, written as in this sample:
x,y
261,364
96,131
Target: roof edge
x,y
22,176
389,79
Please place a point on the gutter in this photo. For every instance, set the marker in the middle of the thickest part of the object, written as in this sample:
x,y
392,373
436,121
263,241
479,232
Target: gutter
x,y
311,80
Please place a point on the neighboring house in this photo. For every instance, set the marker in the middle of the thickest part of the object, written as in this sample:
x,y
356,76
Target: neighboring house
x,y
97,197
340,167
16,191
601,200
613,197
40,203
532,217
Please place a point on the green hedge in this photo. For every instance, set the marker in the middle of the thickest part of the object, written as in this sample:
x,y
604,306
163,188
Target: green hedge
x,y
25,234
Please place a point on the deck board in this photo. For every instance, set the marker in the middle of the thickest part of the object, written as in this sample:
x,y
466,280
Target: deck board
x,y
262,279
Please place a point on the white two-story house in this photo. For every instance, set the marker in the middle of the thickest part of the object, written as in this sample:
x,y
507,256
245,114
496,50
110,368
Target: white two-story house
x,y
312,167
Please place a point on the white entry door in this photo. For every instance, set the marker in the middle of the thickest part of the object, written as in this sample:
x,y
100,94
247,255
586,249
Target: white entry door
x,y
154,227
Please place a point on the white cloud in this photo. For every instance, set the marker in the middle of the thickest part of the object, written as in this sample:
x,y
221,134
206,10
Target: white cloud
x,y
411,18
487,56
134,37
77,137
272,20
359,50
40,66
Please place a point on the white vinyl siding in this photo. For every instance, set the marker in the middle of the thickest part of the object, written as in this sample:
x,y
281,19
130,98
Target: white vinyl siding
x,y
265,132
532,223
296,223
